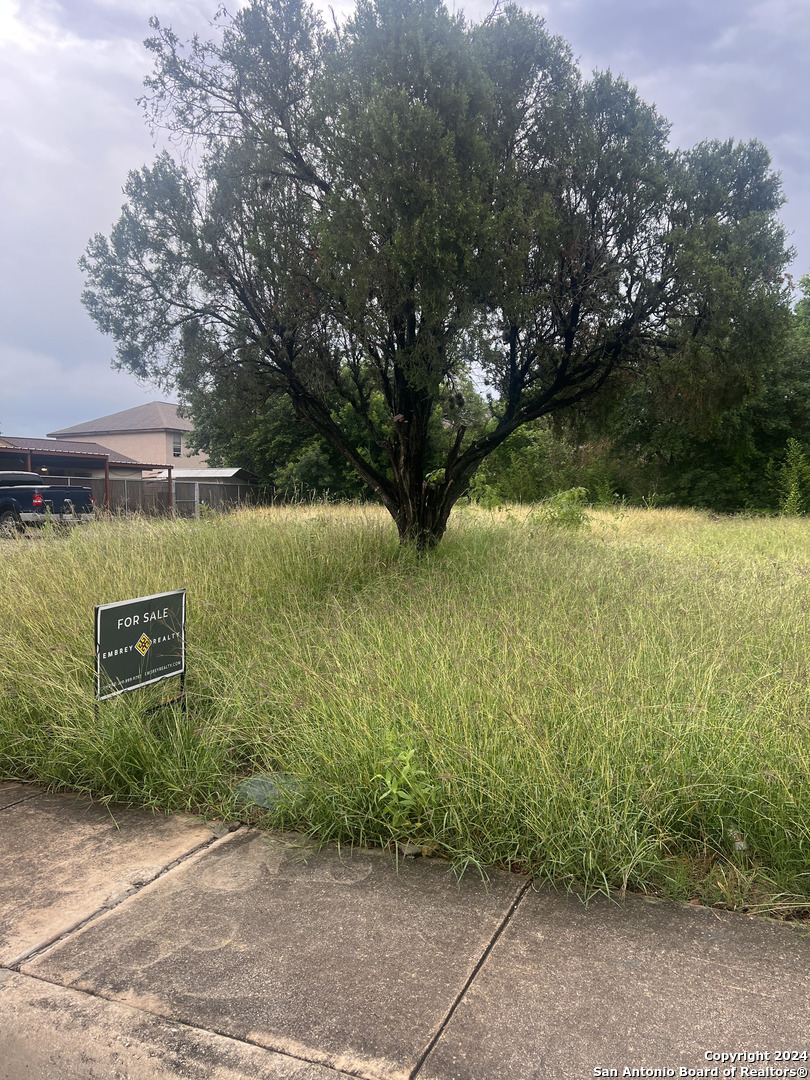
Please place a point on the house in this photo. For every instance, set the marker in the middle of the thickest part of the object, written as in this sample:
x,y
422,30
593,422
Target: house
x,y
154,432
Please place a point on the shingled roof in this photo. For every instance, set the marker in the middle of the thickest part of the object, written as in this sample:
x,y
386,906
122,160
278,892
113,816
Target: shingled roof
x,y
153,416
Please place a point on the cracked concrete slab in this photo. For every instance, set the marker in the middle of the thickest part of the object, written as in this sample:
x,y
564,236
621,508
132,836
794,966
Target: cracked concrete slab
x,y
50,1033
11,792
568,989
64,857
332,956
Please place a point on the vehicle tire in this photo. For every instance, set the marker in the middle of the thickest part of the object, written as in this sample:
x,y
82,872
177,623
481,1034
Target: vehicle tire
x,y
10,524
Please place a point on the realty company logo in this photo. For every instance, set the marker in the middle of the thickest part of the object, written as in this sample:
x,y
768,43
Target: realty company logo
x,y
142,644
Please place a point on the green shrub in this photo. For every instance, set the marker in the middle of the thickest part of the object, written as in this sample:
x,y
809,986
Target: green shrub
x,y
565,510
794,481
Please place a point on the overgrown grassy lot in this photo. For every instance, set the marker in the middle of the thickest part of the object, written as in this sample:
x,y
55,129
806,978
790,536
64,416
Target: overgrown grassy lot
x,y
621,707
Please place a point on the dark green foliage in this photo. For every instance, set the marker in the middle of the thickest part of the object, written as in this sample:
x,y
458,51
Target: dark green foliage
x,y
289,459
793,480
536,463
239,425
366,219
721,454
646,446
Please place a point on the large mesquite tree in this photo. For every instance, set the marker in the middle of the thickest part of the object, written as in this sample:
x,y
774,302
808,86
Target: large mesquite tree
x,y
362,217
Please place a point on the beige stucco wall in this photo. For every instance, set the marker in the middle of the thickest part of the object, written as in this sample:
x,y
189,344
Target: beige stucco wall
x,y
151,447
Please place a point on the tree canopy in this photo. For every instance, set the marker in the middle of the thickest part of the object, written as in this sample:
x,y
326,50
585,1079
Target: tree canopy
x,y
365,217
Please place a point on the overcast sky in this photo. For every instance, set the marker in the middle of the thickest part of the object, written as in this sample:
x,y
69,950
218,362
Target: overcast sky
x,y
70,71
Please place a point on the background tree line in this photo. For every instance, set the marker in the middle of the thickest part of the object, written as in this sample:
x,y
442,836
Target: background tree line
x,y
647,442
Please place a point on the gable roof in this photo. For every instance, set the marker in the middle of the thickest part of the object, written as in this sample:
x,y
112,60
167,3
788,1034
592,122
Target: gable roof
x,y
153,416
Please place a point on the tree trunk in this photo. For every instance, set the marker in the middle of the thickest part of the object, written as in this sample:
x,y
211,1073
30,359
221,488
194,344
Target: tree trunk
x,y
421,525
423,508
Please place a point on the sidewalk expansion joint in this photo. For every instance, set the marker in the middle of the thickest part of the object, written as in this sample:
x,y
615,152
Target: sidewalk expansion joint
x,y
22,799
316,1058
461,994
38,950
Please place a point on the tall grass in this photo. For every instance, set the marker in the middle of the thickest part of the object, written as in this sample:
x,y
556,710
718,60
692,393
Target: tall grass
x,y
625,707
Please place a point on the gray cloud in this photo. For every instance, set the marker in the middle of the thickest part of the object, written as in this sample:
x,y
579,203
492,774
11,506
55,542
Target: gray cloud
x,y
727,69
71,130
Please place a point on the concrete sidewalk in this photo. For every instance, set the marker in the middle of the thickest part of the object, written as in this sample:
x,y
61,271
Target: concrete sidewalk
x,y
146,947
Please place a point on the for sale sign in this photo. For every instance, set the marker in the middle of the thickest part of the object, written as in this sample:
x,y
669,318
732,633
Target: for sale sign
x,y
139,642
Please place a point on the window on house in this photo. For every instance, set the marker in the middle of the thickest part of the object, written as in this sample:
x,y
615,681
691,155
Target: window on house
x,y
177,445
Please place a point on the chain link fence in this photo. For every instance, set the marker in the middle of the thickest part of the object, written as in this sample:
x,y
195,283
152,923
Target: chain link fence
x,y
151,497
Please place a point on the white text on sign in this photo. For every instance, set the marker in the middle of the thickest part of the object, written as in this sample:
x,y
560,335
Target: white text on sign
x,y
148,616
